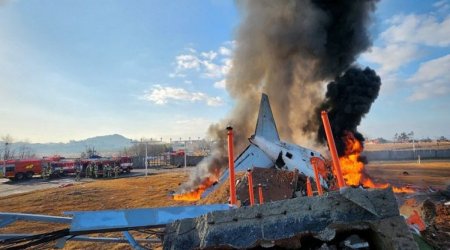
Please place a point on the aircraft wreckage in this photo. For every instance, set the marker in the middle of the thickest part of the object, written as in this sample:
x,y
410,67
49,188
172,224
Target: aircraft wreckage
x,y
346,218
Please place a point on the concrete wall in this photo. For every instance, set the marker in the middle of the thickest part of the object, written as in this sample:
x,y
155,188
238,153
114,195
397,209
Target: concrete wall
x,y
398,155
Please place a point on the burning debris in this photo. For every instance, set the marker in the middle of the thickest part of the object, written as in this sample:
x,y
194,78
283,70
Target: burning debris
x,y
266,150
348,99
299,46
437,218
195,195
288,49
428,216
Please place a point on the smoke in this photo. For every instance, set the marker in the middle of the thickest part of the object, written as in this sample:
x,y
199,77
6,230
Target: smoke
x,y
348,98
288,49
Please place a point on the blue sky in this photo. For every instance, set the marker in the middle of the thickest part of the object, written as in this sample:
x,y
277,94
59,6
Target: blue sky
x,y
77,69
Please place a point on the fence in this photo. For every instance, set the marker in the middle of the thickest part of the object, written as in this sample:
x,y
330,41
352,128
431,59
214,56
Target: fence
x,y
165,161
398,155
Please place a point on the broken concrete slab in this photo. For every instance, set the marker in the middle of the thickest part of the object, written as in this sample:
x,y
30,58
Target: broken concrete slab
x,y
358,198
296,222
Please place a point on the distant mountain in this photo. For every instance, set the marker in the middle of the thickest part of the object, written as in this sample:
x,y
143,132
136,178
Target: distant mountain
x,y
104,145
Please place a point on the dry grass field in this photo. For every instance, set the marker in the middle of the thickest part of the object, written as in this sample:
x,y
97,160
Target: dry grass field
x,y
154,191
138,192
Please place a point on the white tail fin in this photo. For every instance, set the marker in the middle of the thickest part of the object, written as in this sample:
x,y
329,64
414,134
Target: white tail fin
x,y
265,127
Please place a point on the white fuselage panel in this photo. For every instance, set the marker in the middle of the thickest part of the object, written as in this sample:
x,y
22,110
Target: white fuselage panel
x,y
294,156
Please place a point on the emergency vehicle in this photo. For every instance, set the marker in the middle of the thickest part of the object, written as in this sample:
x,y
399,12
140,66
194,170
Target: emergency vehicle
x,y
21,169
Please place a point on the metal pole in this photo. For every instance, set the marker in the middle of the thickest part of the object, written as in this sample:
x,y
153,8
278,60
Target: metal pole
x,y
4,160
315,162
260,191
308,187
333,151
231,166
146,158
185,155
132,241
251,195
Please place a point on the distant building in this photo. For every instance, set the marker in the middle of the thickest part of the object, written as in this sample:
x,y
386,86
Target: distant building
x,y
192,147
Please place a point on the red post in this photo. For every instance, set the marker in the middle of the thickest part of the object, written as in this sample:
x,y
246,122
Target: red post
x,y
231,166
417,220
250,187
308,187
315,162
332,146
261,198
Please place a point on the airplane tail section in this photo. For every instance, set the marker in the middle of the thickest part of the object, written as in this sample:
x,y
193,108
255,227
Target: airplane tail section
x,y
266,127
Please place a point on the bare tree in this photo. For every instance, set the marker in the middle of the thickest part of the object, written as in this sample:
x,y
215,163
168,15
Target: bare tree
x,y
89,153
153,149
25,151
125,152
8,152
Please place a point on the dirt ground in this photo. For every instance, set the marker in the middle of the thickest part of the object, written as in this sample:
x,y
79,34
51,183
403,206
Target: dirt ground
x,y
434,174
155,191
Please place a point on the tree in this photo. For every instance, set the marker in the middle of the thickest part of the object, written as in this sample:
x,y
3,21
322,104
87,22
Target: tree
x,y
8,152
442,139
404,137
89,153
124,152
25,151
411,135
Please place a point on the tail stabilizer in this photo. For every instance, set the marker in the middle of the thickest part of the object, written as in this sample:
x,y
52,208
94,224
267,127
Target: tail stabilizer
x,y
266,127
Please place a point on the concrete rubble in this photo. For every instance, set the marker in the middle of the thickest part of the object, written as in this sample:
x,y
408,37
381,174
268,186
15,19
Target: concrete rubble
x,y
352,219
437,218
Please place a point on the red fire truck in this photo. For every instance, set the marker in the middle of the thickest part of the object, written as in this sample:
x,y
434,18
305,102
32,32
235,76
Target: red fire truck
x,y
25,169
63,167
126,164
21,169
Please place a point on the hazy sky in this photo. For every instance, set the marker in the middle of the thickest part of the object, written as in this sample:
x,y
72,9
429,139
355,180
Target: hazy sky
x,y
77,69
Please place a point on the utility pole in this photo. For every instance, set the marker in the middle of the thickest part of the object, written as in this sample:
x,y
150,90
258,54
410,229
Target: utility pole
x,y
146,153
146,158
185,153
4,159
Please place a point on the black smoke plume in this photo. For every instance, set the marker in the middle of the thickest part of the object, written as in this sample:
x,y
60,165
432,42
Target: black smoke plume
x,y
287,49
348,99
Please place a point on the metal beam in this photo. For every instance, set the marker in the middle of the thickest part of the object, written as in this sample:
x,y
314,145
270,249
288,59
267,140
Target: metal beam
x,y
121,220
6,221
8,218
86,238
132,241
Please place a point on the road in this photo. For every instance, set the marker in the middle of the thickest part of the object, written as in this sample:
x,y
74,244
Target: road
x,y
8,187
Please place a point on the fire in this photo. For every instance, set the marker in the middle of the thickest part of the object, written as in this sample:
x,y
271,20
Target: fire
x,y
353,169
196,194
403,190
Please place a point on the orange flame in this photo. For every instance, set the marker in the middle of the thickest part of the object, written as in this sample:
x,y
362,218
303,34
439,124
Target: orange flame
x,y
353,169
196,194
